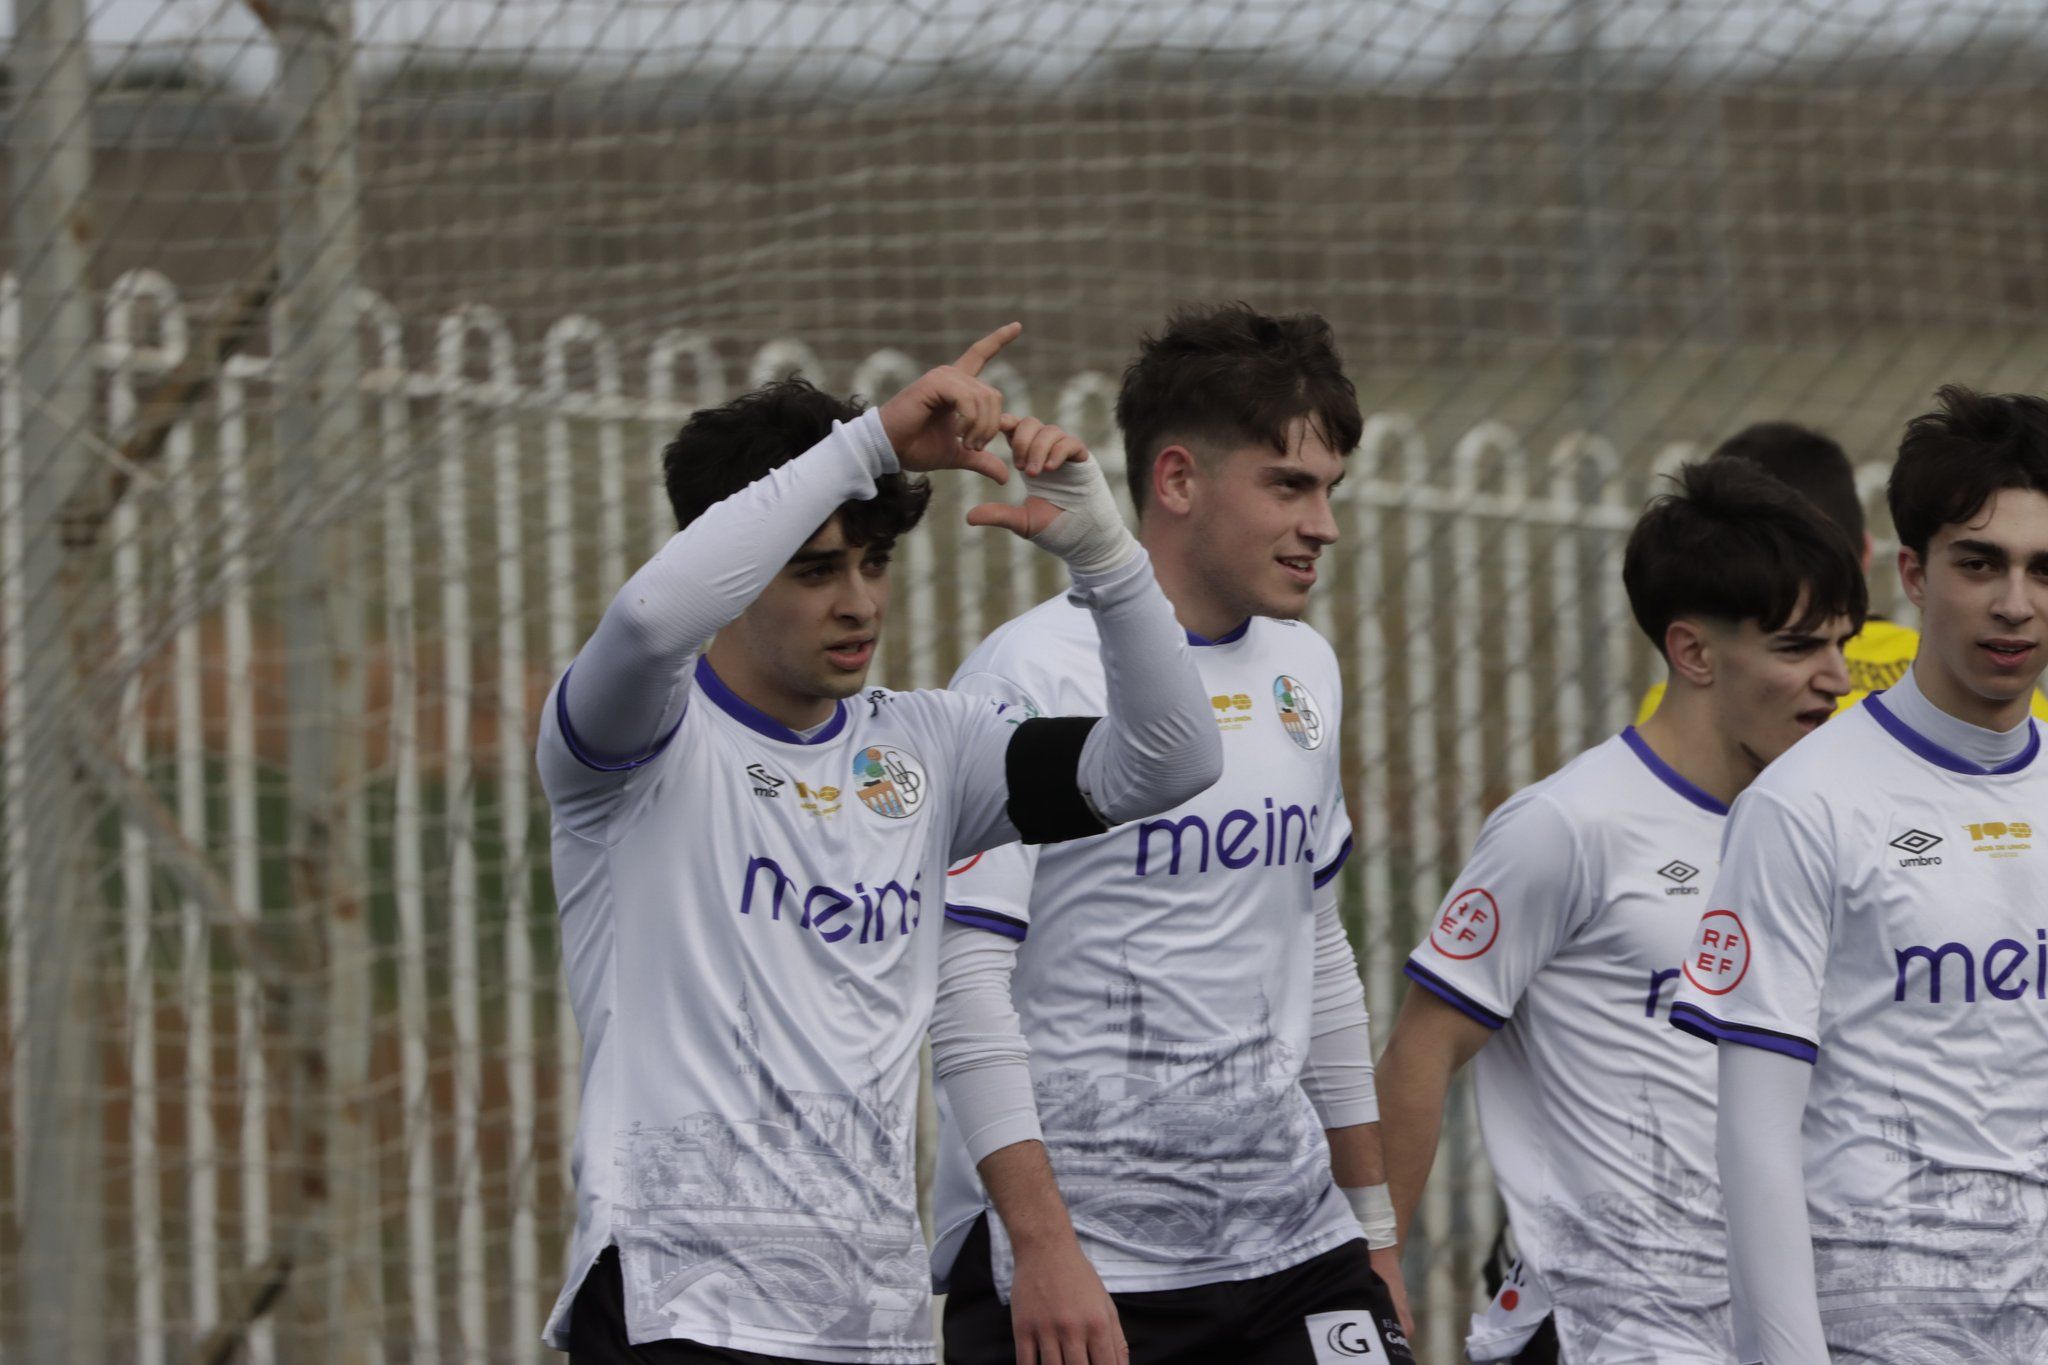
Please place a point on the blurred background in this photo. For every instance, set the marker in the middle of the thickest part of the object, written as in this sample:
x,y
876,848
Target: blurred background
x,y
338,339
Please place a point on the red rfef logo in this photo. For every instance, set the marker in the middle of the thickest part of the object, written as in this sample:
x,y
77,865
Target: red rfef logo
x,y
1467,926
1719,957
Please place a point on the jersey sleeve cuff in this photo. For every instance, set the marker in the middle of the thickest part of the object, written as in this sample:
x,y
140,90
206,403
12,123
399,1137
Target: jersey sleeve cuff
x,y
1451,995
1335,865
583,755
995,921
871,443
1690,1018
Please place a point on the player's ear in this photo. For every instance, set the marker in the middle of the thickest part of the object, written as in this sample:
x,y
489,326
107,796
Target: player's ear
x,y
1913,575
1690,652
1173,479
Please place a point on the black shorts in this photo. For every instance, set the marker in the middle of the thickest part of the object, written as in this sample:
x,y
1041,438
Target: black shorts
x,y
1331,1310
597,1329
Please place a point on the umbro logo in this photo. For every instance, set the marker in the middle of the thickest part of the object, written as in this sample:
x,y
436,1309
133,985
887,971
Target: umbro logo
x,y
1680,872
1917,842
765,782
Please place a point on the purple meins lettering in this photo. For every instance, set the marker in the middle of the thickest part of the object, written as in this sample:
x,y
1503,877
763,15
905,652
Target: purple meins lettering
x,y
830,911
2000,969
1239,840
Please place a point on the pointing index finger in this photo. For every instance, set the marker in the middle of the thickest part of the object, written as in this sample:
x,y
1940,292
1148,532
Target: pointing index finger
x,y
981,352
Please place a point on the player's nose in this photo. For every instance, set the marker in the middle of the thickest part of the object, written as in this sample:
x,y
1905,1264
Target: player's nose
x,y
1833,678
1321,526
2014,604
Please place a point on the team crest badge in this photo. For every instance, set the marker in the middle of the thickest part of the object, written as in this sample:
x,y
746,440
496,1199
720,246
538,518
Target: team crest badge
x,y
1298,713
888,781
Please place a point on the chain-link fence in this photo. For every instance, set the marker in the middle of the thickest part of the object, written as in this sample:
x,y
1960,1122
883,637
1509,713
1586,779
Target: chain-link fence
x,y
336,341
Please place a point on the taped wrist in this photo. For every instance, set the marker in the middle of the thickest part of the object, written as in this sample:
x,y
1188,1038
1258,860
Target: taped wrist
x,y
1373,1206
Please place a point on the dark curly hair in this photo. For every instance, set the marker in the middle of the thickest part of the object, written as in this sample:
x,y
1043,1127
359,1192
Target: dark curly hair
x,y
721,450
1732,543
1226,376
1953,460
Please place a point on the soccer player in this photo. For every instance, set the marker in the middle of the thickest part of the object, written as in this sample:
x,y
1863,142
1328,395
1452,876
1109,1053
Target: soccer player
x,y
747,846
1877,943
1815,465
1199,1074
1551,964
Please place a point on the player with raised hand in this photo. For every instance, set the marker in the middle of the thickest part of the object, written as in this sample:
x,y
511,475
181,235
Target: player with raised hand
x,y
1164,1023
748,863
1550,965
1877,943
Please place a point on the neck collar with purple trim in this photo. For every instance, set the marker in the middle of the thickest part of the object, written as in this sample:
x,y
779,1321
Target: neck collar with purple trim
x,y
1947,758
1669,775
757,720
1231,636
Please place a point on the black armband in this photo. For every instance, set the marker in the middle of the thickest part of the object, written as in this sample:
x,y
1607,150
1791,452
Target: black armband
x,y
1043,765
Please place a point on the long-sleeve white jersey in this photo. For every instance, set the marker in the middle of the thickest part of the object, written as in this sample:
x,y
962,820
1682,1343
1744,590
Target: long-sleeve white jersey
x,y
1882,913
1165,978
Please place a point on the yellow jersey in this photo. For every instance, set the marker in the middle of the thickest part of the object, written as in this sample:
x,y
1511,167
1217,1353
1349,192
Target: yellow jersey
x,y
1878,657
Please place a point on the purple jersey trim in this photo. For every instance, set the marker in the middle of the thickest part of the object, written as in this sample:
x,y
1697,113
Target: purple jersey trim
x,y
1451,995
1228,637
1944,758
1335,865
728,701
995,921
583,755
1690,1018
1668,775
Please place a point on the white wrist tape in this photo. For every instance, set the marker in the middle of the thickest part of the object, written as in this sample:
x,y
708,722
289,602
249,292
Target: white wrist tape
x,y
1089,533
1373,1206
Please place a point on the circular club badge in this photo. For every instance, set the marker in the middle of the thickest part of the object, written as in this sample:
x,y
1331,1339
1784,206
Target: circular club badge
x,y
1468,925
888,781
1719,958
1298,713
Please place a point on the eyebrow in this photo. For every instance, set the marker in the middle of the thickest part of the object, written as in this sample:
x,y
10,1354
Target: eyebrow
x,y
809,557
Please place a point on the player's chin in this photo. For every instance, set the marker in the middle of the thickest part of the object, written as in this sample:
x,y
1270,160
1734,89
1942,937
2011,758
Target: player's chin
x,y
1284,600
840,683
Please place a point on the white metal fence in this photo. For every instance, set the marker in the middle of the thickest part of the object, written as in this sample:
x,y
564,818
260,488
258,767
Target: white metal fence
x,y
495,504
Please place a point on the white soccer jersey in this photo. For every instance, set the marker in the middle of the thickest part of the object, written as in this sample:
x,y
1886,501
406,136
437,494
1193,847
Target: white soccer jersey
x,y
750,929
1565,933
1165,983
1883,914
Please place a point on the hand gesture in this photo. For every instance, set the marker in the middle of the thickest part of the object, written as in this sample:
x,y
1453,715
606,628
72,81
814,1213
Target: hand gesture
x,y
946,419
1038,448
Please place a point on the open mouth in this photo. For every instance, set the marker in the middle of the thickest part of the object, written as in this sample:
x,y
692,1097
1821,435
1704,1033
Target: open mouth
x,y
2008,654
851,654
1301,568
1813,719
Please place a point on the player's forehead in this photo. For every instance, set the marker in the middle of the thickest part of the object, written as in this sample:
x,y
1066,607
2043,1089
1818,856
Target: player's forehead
x,y
2012,521
1304,449
829,539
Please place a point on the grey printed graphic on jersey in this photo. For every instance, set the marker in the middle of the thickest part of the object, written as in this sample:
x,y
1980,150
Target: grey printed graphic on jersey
x,y
1619,1260
791,1219
1959,1263
1217,1126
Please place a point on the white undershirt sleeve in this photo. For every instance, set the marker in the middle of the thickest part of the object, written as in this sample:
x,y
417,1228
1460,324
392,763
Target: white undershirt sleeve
x,y
1763,1182
1337,1074
626,690
978,1050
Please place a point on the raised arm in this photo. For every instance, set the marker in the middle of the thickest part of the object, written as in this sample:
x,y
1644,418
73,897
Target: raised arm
x,y
626,690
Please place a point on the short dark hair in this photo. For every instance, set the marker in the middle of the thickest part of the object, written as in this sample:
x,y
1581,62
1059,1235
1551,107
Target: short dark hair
x,y
1807,460
1227,375
1951,461
721,450
1732,543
